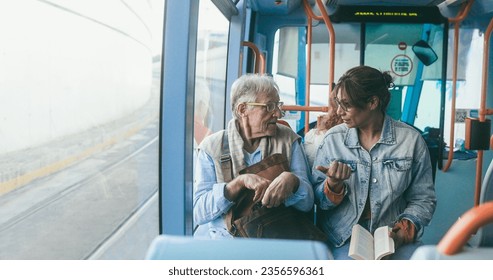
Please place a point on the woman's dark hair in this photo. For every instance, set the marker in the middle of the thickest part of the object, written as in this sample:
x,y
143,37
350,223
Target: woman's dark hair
x,y
361,83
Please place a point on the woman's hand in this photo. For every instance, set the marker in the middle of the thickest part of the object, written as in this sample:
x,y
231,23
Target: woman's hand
x,y
280,189
403,232
336,173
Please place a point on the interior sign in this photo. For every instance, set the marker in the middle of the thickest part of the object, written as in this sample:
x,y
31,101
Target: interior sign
x,y
401,65
402,46
386,14
401,14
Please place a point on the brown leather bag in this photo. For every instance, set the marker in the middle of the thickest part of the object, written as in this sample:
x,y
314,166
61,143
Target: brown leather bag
x,y
249,219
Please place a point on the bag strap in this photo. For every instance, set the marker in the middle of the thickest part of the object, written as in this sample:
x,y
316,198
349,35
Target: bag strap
x,y
225,159
227,171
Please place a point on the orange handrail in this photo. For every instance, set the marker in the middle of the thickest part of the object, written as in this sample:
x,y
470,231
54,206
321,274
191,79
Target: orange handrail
x,y
457,20
259,57
310,16
309,12
332,41
328,23
462,13
305,108
468,224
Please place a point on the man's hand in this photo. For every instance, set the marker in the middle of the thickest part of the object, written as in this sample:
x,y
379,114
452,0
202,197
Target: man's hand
x,y
280,189
253,182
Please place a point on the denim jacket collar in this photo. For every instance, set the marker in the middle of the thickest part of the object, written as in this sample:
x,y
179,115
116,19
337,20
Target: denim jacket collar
x,y
387,136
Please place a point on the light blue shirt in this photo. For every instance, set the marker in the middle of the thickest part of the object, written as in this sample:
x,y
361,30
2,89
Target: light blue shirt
x,y
209,203
396,171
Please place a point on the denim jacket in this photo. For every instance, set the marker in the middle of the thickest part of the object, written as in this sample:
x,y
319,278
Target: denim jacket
x,y
396,172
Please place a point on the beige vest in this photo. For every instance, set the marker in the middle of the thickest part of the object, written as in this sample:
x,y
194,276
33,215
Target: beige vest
x,y
213,146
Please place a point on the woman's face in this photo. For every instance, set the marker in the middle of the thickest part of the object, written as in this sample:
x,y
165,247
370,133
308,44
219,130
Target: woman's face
x,y
257,120
351,115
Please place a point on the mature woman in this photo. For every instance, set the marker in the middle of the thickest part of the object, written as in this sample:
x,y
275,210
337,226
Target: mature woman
x,y
372,170
252,135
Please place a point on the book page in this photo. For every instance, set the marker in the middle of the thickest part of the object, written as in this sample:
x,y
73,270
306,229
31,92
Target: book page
x,y
384,245
361,246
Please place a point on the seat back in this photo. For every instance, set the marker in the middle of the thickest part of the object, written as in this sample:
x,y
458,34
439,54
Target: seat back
x,y
430,252
485,234
170,247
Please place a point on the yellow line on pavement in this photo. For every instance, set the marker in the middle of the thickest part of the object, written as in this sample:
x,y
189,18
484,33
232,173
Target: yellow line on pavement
x,y
21,180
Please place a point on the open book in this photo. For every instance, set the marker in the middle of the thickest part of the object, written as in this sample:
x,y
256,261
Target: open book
x,y
364,246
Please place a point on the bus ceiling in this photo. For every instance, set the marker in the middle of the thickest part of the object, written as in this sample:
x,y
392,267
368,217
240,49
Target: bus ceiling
x,y
416,11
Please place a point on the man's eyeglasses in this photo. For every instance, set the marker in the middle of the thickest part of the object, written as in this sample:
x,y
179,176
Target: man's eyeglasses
x,y
271,106
344,105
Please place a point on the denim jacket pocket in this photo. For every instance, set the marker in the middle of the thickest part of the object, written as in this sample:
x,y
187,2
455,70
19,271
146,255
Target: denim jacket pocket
x,y
399,164
398,174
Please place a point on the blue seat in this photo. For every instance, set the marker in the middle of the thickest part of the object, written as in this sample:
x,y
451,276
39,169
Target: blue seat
x,y
171,247
430,252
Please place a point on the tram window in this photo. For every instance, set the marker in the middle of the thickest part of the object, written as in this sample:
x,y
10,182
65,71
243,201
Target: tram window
x,y
468,92
210,73
285,68
79,128
388,47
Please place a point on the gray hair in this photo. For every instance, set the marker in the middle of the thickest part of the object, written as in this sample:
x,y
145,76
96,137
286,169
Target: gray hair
x,y
247,87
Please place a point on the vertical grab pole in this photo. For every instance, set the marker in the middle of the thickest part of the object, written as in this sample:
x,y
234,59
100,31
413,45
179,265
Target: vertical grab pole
x,y
332,42
330,28
457,20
